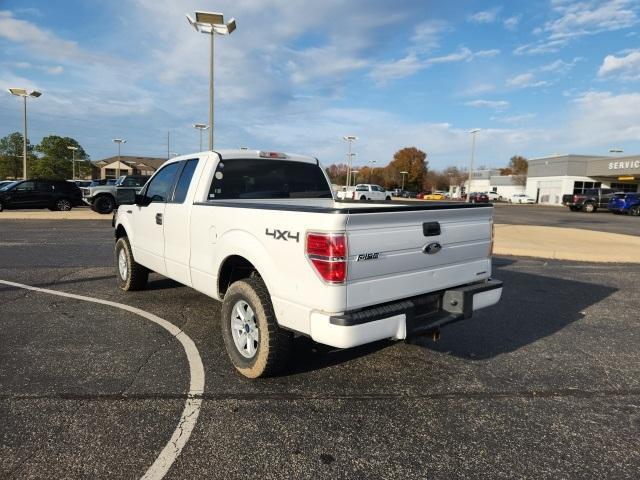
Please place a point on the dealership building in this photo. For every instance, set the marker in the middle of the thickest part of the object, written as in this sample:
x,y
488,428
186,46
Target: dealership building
x,y
551,177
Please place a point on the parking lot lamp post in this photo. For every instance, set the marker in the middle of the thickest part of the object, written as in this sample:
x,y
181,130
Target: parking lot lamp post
x,y
73,161
354,174
211,23
201,127
119,141
473,153
350,139
403,173
24,93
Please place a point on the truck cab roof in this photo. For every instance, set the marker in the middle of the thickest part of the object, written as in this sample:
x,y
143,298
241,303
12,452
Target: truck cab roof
x,y
227,154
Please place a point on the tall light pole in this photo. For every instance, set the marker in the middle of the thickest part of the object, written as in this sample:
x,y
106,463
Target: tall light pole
x,y
354,174
201,127
473,153
350,139
73,161
119,141
211,23
403,173
371,169
24,93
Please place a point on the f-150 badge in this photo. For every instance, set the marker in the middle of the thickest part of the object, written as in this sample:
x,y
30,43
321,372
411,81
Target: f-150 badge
x,y
368,256
285,235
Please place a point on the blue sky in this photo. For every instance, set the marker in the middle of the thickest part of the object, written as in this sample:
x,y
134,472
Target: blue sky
x,y
539,77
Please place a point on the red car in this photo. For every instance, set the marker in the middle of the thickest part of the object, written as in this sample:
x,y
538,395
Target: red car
x,y
479,197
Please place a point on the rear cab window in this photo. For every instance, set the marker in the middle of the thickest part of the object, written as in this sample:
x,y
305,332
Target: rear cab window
x,y
268,178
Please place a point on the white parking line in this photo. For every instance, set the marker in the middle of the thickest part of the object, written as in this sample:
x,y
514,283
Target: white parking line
x,y
189,416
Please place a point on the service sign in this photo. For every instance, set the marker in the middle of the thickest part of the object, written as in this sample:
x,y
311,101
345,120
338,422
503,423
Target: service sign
x,y
623,166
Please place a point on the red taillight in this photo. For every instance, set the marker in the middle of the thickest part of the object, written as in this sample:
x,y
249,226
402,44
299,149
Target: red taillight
x,y
575,199
353,195
328,255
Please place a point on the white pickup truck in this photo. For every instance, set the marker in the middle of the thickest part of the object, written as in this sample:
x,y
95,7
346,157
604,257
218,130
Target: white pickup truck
x,y
261,232
364,191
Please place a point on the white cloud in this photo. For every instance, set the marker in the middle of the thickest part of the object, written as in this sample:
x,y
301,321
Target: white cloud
x,y
405,67
560,66
57,70
626,67
579,18
427,35
485,16
493,104
515,119
525,80
603,118
512,23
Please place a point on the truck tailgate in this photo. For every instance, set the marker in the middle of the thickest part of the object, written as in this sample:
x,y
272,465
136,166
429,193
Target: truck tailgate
x,y
388,258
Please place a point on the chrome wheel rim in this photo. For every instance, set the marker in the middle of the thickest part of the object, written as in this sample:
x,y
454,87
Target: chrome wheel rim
x,y
64,205
244,329
123,267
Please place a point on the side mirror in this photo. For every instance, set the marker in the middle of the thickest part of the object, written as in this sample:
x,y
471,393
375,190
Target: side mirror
x,y
141,200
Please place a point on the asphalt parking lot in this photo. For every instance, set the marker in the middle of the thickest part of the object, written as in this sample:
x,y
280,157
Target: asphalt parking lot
x,y
544,385
553,216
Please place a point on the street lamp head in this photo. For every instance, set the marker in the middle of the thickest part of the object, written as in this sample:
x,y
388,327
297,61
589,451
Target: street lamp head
x,y
72,148
475,130
201,126
23,92
349,137
615,150
212,22
404,172
119,140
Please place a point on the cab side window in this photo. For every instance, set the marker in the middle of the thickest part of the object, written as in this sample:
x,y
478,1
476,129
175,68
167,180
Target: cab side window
x,y
26,187
182,187
160,186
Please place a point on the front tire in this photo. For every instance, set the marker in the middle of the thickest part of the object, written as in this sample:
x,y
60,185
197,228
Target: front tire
x,y
1,206
589,208
387,199
130,274
104,204
635,211
363,198
255,343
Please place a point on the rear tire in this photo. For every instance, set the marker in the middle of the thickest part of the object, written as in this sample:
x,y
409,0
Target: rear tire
x,y
387,199
363,198
63,205
131,275
1,206
103,204
635,211
255,343
589,208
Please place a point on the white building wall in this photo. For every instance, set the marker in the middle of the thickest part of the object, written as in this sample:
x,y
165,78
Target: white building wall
x,y
551,189
479,185
506,191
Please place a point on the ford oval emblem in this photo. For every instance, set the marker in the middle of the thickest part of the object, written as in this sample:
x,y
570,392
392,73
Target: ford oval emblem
x,y
432,248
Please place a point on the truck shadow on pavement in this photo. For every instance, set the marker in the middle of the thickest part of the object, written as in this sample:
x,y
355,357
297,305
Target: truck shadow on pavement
x,y
532,307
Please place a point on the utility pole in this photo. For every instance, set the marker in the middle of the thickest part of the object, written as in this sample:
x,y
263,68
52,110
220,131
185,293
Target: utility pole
x,y
73,161
471,160
168,144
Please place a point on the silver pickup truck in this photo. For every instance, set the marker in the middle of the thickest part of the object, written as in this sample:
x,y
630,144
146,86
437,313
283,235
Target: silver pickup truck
x,y
106,198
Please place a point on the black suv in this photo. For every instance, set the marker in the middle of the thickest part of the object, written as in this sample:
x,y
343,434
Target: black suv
x,y
51,194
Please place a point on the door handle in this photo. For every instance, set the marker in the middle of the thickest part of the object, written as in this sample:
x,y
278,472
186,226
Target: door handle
x,y
159,218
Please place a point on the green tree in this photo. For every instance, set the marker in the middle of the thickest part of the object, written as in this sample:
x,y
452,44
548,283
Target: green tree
x,y
411,160
55,159
11,156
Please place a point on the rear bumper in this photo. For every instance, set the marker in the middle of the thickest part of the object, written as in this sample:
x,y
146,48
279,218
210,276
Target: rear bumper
x,y
405,318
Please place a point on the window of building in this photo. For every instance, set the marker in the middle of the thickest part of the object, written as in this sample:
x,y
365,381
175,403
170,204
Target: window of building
x,y
581,187
625,187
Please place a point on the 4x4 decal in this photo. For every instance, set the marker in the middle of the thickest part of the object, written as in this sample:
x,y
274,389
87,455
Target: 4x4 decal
x,y
285,235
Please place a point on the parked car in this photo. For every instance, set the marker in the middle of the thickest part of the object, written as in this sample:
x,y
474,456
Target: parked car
x,y
105,198
98,182
366,191
478,197
433,196
494,196
261,232
521,198
51,194
625,203
408,194
588,201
